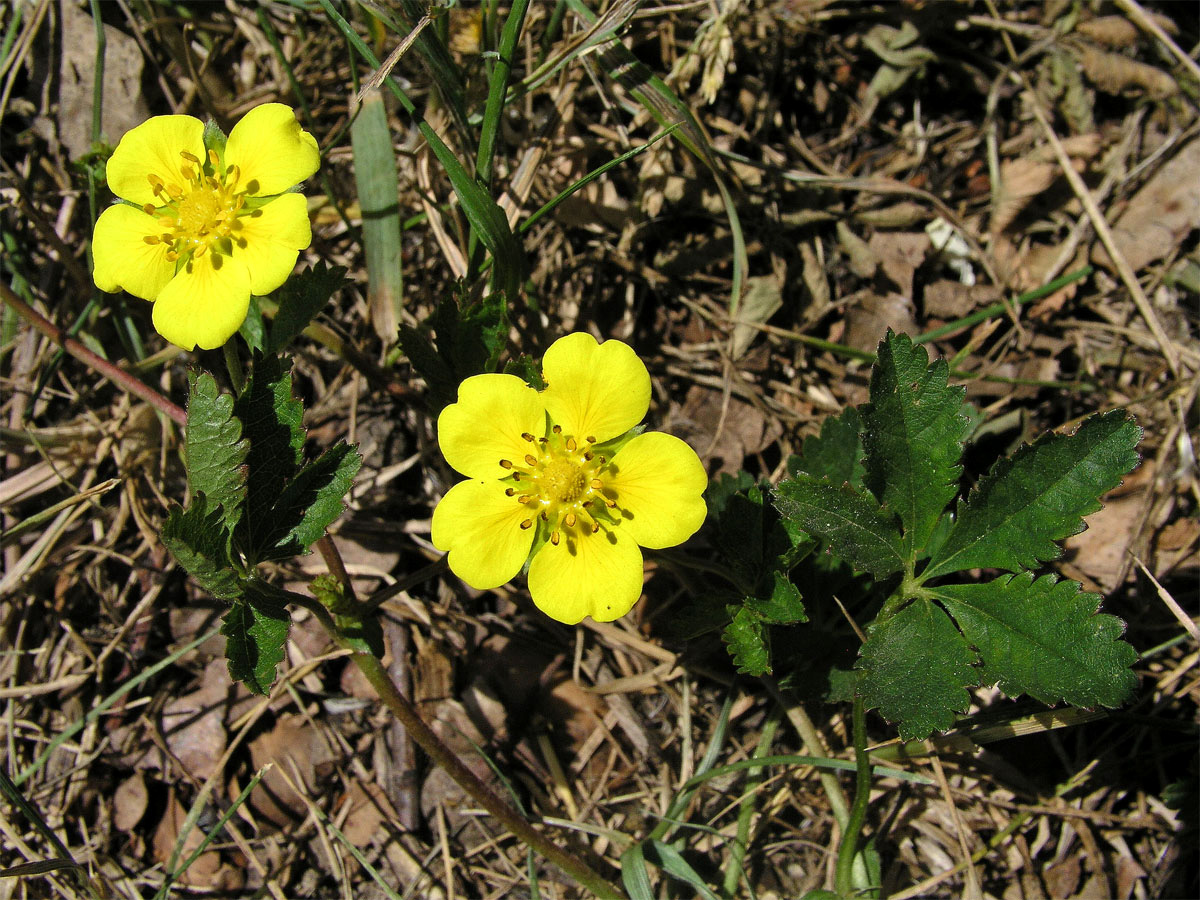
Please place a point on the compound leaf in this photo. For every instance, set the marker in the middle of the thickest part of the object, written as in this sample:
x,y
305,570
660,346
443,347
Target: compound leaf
x,y
915,668
256,629
836,453
747,642
197,539
850,521
271,419
1044,638
312,501
914,429
215,449
1039,496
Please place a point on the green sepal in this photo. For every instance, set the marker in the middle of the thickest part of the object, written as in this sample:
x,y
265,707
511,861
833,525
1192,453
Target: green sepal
x,y
252,329
214,139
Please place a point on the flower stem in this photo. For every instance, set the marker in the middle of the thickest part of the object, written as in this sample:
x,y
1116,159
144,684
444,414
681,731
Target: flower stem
x,y
852,833
119,377
237,374
402,708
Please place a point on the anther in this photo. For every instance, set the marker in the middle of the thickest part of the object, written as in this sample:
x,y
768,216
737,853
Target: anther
x,y
190,157
597,484
524,498
151,239
570,520
531,459
611,504
595,527
603,460
525,435
149,209
554,538
571,445
516,476
545,518
588,456
505,464
508,492
527,524
591,439
557,429
212,157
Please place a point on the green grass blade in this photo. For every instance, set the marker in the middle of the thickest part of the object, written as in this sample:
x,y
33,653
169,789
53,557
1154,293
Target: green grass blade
x,y
378,196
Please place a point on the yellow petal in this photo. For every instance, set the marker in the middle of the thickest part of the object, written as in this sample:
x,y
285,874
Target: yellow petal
x,y
659,484
125,261
597,575
486,424
594,390
274,234
271,149
481,529
204,304
153,149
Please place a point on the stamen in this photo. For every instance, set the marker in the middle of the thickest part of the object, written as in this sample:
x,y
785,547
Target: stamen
x,y
588,456
611,504
595,527
554,538
212,158
545,518
591,439
557,429
597,484
508,492
505,464
525,435
190,157
151,239
149,209
570,520
527,524
571,445
524,498
531,459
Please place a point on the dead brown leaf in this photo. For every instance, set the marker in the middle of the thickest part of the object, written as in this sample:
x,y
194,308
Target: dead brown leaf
x,y
1116,74
194,725
295,746
208,871
129,802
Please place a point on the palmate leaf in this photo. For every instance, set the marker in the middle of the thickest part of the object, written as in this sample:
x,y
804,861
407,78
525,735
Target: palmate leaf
x,y
198,541
1044,638
311,502
271,420
836,454
913,434
256,629
214,449
1038,496
915,668
850,521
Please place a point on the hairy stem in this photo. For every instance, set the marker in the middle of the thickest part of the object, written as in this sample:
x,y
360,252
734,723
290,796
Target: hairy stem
x,y
119,377
402,708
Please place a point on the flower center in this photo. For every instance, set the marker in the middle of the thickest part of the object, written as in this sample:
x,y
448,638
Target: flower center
x,y
200,207
560,482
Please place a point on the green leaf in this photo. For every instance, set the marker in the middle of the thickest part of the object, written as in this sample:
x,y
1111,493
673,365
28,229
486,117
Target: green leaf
x,y
1044,638
1038,496
914,429
303,296
746,642
271,419
782,606
677,867
311,502
634,876
836,453
852,523
256,630
197,539
915,668
379,198
214,449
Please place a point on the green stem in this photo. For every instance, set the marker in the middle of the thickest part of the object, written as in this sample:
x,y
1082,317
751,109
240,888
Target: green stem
x,y
401,707
852,833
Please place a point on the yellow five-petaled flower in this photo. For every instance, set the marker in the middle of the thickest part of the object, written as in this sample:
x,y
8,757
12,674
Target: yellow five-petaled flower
x,y
554,474
203,229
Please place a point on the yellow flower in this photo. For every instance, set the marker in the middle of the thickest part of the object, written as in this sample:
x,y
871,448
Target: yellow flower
x,y
556,475
204,228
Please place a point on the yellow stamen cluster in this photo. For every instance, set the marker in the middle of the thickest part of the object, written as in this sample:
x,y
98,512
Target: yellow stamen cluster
x,y
199,212
560,482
